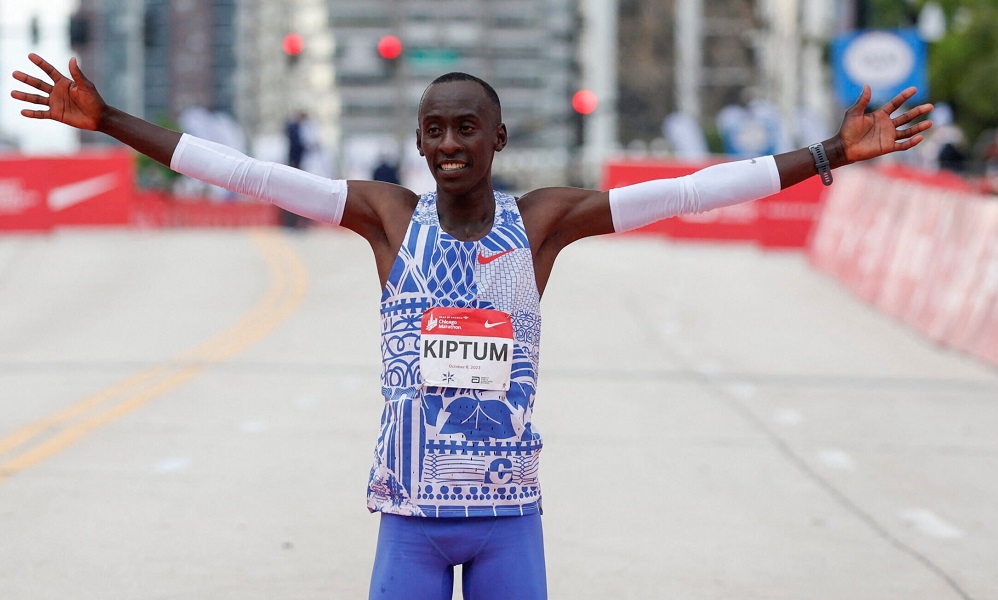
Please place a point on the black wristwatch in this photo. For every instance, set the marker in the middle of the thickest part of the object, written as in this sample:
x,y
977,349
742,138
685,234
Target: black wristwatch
x,y
821,163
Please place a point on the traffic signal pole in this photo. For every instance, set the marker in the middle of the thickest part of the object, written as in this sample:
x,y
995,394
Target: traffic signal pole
x,y
598,55
398,75
689,56
134,58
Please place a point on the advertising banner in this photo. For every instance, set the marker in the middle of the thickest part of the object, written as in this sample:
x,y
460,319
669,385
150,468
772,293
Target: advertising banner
x,y
22,203
38,193
887,60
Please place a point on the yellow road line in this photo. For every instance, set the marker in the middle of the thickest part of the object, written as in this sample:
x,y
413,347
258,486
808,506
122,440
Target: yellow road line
x,y
25,434
289,283
75,433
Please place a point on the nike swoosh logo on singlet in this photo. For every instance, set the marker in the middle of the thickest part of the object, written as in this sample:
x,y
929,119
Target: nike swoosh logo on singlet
x,y
484,260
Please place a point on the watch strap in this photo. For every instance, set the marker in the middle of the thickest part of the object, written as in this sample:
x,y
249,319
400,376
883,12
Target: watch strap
x,y
821,162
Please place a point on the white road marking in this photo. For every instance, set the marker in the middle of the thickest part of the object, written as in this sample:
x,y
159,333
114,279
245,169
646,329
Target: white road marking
x,y
930,524
670,328
745,391
174,464
835,458
710,368
788,417
306,402
253,426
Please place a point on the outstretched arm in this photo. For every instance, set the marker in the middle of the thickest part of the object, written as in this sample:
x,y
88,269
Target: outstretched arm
x,y
377,211
557,217
862,136
76,102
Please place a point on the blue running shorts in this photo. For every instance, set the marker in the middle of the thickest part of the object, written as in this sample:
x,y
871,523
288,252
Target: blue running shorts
x,y
501,558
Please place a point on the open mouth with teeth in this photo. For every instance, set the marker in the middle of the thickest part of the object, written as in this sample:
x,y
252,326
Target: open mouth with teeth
x,y
451,166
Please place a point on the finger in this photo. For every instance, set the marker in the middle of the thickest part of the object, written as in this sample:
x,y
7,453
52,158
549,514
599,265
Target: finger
x,y
909,143
863,101
914,129
899,100
76,72
33,82
922,109
911,115
32,98
35,114
44,65
923,126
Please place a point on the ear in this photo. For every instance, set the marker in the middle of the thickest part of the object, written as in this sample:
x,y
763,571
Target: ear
x,y
419,141
501,137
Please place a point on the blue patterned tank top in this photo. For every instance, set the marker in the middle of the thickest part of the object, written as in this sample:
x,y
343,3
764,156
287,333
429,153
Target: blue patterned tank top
x,y
447,452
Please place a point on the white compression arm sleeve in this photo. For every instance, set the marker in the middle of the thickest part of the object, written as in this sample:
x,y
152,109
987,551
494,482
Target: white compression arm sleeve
x,y
302,193
716,186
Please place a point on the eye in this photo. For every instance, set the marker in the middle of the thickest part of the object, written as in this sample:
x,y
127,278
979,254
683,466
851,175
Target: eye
x,y
466,129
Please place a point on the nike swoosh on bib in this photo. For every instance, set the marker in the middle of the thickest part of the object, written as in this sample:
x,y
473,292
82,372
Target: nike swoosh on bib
x,y
484,260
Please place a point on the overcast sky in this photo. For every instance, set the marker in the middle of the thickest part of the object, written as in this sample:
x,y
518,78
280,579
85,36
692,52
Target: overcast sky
x,y
15,17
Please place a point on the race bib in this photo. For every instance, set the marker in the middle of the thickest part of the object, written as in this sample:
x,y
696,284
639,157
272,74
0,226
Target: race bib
x,y
466,348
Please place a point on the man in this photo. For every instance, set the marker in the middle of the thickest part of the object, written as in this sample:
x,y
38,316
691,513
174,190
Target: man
x,y
462,271
296,131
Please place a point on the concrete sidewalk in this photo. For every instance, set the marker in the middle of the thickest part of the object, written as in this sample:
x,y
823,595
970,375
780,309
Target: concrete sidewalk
x,y
192,415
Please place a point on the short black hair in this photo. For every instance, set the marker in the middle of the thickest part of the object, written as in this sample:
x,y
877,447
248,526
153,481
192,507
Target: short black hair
x,y
458,76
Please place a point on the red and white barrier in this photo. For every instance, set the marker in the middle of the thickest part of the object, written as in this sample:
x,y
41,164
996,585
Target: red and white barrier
x,y
155,210
922,249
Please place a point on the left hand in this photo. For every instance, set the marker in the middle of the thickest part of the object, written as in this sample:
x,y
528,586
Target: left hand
x,y
864,136
73,101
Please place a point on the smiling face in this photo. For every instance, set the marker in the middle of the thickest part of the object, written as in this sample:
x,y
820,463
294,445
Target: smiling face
x,y
459,132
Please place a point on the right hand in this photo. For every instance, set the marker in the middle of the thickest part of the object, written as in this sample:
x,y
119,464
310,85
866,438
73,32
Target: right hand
x,y
73,101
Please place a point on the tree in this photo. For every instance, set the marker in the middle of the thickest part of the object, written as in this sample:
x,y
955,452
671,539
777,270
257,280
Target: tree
x,y
963,65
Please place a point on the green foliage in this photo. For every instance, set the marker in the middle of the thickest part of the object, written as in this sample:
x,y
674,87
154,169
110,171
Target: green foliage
x,y
889,14
715,142
963,66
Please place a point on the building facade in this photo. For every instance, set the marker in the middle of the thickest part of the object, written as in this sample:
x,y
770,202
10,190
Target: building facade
x,y
160,58
700,56
523,48
157,58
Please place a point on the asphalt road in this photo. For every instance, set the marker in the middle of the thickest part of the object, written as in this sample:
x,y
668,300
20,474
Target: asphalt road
x,y
192,414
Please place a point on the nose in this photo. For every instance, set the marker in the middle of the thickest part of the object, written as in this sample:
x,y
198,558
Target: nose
x,y
449,143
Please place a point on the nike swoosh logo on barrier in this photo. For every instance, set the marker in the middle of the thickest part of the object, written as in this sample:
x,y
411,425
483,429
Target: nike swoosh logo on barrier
x,y
484,260
64,196
491,325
